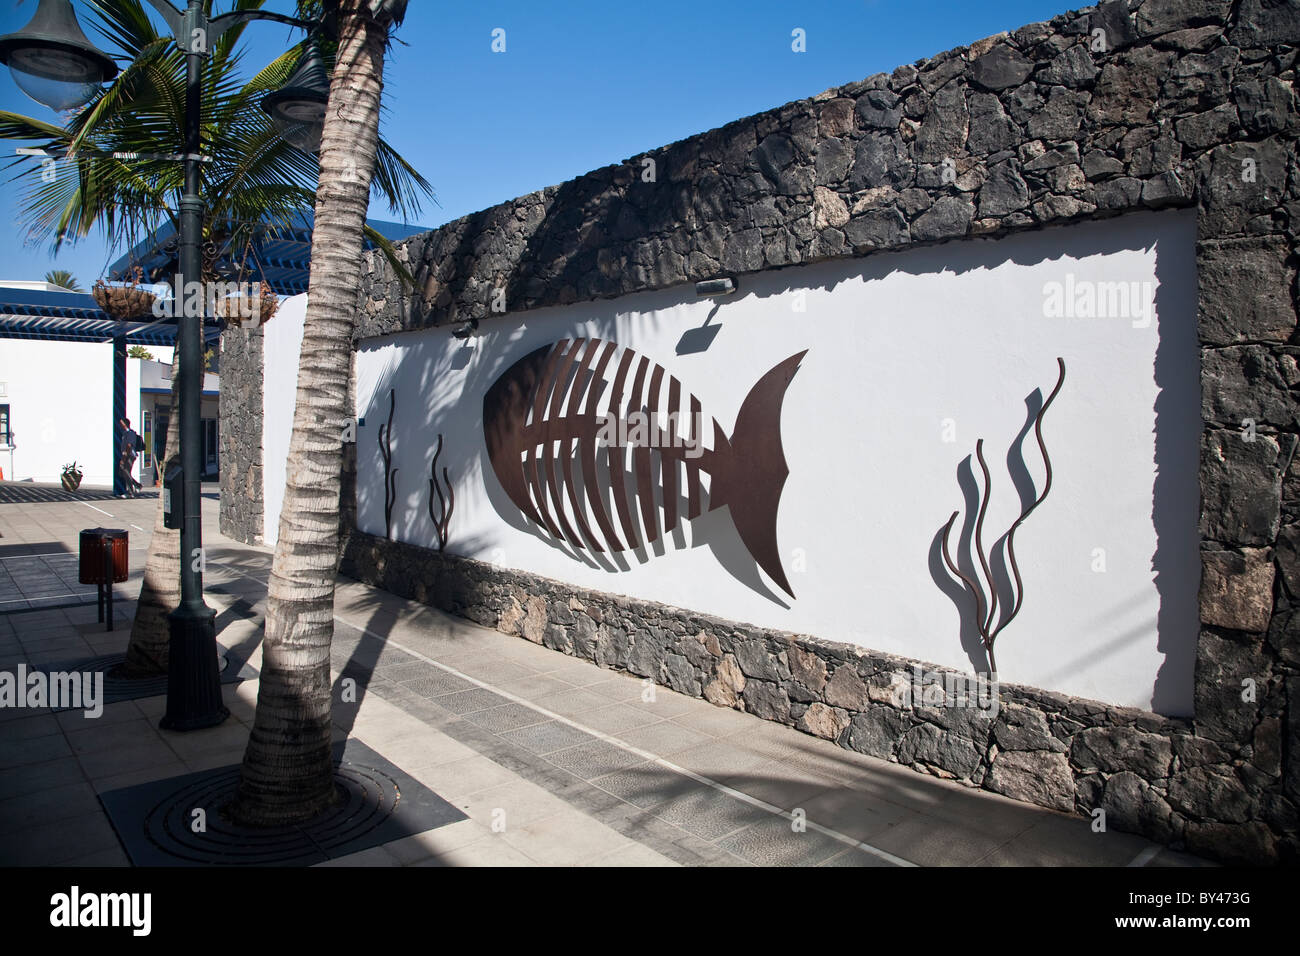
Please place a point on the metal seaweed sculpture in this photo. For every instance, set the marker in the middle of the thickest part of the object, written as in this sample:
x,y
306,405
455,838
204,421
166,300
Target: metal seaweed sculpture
x,y
988,620
390,473
442,519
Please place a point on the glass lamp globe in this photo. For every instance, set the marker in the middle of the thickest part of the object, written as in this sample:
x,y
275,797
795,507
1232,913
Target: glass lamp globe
x,y
52,61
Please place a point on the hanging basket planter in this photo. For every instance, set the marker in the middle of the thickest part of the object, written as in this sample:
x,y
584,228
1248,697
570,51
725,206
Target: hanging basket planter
x,y
251,310
127,301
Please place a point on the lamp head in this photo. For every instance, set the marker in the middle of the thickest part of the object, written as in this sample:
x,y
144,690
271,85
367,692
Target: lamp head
x,y
52,61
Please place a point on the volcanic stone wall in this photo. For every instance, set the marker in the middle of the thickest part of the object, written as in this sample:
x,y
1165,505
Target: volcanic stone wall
x,y
1123,106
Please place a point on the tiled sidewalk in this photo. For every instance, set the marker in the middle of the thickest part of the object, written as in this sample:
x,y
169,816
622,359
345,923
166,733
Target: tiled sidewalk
x,y
554,761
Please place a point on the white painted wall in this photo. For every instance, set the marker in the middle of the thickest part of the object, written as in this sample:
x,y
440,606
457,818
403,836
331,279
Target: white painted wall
x,y
281,345
60,398
900,347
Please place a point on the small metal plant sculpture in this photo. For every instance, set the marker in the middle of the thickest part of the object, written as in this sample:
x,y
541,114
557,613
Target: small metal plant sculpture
x,y
71,477
390,473
442,518
988,620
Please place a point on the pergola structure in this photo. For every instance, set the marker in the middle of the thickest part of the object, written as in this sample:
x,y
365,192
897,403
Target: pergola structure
x,y
280,255
75,317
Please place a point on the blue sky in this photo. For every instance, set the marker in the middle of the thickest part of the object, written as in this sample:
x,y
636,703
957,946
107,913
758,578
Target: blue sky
x,y
580,85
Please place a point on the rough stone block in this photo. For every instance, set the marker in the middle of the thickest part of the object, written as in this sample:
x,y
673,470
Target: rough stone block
x,y
1116,749
1241,488
1224,269
823,721
727,685
1035,776
877,730
1237,589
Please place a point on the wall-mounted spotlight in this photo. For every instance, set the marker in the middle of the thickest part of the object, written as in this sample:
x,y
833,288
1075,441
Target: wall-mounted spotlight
x,y
466,330
712,287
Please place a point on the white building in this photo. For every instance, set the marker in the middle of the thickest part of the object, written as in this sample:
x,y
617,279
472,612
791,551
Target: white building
x,y
56,388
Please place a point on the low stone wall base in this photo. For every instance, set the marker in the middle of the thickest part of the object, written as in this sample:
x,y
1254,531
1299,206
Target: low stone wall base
x,y
1151,775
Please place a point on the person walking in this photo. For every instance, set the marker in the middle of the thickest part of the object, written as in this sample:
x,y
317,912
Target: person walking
x,y
132,445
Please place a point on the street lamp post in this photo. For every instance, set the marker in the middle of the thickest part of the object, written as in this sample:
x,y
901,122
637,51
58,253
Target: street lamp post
x,y
53,62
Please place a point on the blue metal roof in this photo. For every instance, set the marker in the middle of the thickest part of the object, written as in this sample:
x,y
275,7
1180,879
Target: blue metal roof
x,y
281,255
76,317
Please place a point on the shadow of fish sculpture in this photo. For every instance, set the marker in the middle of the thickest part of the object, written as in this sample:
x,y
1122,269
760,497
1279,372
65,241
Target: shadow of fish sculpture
x,y
582,421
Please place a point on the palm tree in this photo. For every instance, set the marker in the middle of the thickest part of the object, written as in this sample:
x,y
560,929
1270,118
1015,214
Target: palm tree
x,y
254,181
287,774
63,279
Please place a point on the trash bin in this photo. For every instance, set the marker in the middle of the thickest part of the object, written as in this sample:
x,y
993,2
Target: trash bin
x,y
103,563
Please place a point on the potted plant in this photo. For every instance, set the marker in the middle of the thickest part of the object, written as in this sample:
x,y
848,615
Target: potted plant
x,y
248,309
71,477
127,301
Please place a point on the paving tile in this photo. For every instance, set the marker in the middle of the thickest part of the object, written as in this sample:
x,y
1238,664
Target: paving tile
x,y
645,785
410,670
495,671
47,806
232,734
990,813
854,813
144,755
667,704
674,843
510,805
566,838
459,778
444,839
718,759
663,739
32,724
576,673
617,718
594,759
469,701
855,857
1168,857
572,703
37,777
773,842
708,813
547,737
375,856
493,850
93,737
1051,839
718,721
114,856
213,759
780,784
438,684
530,688
634,854
616,687
925,841
18,753
74,720
425,748
506,717
57,842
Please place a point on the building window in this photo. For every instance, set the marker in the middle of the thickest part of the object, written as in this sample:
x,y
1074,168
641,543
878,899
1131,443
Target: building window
x,y
4,425
210,444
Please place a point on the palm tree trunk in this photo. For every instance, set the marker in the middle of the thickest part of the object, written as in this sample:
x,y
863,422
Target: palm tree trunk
x,y
160,590
287,774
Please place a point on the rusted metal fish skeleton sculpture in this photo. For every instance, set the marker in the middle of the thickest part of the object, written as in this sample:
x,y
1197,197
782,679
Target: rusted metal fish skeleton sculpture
x,y
605,405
